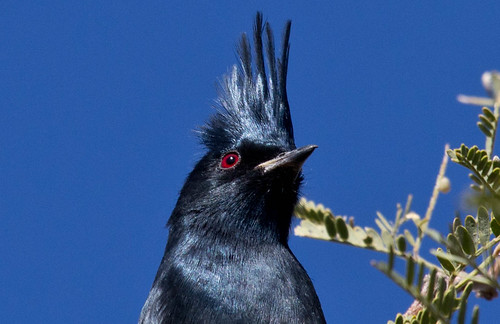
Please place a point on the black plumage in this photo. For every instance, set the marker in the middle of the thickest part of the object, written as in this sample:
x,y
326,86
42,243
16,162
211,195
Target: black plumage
x,y
227,258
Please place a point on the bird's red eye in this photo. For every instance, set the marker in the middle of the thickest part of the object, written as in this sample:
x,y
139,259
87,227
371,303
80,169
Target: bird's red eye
x,y
229,160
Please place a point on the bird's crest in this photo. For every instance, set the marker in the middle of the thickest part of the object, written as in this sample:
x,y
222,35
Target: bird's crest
x,y
253,101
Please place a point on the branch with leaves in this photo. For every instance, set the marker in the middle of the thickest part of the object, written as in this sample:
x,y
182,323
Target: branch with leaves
x,y
467,259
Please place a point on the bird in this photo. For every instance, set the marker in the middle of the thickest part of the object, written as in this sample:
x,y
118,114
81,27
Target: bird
x,y
227,258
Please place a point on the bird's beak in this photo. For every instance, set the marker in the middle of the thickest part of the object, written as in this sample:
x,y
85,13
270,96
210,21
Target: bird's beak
x,y
292,159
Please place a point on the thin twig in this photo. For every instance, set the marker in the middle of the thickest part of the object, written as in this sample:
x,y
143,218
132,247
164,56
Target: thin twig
x,y
433,201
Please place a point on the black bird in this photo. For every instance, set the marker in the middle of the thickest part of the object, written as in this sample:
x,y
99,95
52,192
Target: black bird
x,y
227,258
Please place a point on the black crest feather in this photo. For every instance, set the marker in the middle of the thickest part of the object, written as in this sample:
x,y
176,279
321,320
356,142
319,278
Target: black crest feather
x,y
253,101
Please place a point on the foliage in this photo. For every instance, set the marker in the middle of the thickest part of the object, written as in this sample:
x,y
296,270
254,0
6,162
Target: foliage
x,y
466,259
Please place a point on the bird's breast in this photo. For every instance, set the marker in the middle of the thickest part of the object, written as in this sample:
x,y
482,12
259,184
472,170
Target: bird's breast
x,y
259,284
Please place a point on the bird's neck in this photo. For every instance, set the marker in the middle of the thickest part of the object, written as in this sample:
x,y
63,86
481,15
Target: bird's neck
x,y
254,224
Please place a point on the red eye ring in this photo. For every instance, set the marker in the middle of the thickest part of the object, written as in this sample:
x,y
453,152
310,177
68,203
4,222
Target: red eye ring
x,y
229,160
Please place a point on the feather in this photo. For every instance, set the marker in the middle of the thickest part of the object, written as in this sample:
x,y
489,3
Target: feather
x,y
253,105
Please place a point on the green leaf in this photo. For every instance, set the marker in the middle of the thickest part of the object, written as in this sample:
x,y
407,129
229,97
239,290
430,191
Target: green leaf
x,y
467,291
330,226
448,301
441,290
425,316
464,149
482,162
475,315
489,114
461,312
486,122
421,274
410,271
456,223
484,129
391,258
477,157
471,153
496,216
482,280
483,220
459,157
495,227
341,228
445,263
419,315
474,178
315,216
463,303
496,163
432,283
486,168
401,243
471,226
465,240
453,245
399,319
450,257
493,175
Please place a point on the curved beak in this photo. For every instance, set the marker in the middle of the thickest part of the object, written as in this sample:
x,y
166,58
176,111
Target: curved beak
x,y
291,159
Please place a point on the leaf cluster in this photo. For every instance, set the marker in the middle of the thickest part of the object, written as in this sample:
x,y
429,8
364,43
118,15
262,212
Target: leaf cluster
x,y
320,223
464,261
440,288
485,171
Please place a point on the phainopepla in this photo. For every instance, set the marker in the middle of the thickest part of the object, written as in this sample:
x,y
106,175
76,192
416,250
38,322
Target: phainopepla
x,y
227,258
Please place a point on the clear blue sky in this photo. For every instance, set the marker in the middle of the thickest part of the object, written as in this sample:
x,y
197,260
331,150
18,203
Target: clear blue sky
x,y
99,99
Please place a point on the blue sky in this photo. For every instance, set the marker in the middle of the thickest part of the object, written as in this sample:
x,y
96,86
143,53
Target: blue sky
x,y
99,101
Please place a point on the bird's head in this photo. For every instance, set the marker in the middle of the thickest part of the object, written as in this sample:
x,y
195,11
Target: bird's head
x,y
251,174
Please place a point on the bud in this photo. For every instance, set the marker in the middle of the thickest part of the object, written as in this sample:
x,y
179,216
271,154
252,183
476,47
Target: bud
x,y
444,185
